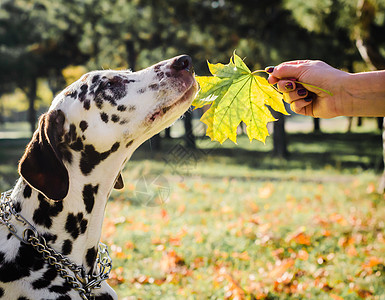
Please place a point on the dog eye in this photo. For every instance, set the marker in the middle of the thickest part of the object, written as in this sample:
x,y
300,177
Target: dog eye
x,y
109,84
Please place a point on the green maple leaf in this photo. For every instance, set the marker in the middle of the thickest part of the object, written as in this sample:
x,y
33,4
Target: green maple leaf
x,y
236,94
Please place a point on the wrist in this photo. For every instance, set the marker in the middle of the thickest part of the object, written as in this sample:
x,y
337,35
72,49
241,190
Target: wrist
x,y
342,94
363,94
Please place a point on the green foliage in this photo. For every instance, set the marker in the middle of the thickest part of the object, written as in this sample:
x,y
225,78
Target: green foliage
x,y
18,102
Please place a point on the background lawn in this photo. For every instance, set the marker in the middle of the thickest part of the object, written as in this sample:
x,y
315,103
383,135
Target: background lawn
x,y
232,222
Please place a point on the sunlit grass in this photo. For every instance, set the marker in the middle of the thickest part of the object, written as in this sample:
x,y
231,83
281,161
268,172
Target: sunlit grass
x,y
233,222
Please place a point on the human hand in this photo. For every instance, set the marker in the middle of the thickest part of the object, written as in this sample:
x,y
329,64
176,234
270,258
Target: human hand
x,y
310,101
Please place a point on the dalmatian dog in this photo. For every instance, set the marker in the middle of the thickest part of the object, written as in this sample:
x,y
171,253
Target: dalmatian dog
x,y
68,170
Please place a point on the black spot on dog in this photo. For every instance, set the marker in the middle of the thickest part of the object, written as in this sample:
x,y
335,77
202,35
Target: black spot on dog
x,y
86,104
115,118
9,235
1,292
76,225
90,158
115,147
104,296
154,87
67,155
71,134
131,108
46,211
64,298
111,91
61,290
89,193
118,87
121,108
83,226
91,256
129,143
77,145
71,94
27,191
46,280
67,247
158,66
128,80
50,238
74,142
17,207
141,91
104,117
110,99
83,93
27,259
22,298
83,125
124,121
99,102
95,78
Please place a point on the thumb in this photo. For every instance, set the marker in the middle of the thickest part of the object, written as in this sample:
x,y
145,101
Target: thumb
x,y
291,69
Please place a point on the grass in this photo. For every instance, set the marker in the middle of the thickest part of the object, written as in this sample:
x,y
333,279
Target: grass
x,y
232,222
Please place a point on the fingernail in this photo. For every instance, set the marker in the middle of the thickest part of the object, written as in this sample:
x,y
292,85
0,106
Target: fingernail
x,y
269,69
302,92
308,99
289,86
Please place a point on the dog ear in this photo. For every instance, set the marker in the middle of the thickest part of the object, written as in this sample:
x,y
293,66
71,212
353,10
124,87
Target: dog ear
x,y
41,165
119,184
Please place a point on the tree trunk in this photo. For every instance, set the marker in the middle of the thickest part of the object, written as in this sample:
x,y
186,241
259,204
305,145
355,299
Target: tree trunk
x,y
131,54
1,111
381,183
31,95
156,142
317,127
189,135
279,136
380,123
167,133
366,42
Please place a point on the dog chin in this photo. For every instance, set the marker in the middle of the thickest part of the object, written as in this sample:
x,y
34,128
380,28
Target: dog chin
x,y
169,113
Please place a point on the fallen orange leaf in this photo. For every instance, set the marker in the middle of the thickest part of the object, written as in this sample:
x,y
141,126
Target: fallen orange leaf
x,y
300,238
280,268
336,297
303,255
266,191
372,262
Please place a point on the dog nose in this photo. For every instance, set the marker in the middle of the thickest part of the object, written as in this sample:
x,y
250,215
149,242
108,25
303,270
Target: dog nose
x,y
183,62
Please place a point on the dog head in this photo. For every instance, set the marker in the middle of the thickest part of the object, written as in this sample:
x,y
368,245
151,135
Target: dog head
x,y
102,113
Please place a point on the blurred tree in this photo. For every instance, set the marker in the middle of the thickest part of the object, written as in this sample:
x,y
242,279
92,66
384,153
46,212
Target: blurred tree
x,y
351,25
36,40
39,38
369,32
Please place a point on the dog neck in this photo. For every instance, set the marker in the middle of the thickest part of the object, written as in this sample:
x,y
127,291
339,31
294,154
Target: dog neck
x,y
72,226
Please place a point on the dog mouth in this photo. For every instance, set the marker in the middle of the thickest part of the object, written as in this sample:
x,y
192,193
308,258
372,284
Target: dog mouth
x,y
186,97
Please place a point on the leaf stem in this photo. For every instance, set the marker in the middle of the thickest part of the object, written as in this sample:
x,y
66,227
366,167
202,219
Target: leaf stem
x,y
258,71
314,87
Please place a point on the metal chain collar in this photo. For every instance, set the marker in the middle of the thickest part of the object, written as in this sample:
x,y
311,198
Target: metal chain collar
x,y
81,282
